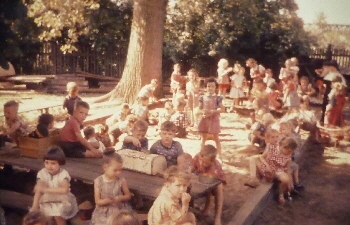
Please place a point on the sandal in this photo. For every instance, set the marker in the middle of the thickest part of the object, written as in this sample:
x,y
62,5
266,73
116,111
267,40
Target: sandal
x,y
281,200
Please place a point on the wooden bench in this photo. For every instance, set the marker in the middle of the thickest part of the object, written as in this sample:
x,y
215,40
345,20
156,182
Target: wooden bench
x,y
87,170
42,108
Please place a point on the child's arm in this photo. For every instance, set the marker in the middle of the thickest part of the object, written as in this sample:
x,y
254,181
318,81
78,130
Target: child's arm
x,y
126,196
262,159
185,200
94,143
62,189
84,142
133,140
258,134
98,200
13,128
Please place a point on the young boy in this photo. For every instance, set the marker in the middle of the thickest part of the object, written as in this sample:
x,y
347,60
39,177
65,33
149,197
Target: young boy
x,y
137,140
180,119
148,90
14,125
166,146
71,98
71,141
140,110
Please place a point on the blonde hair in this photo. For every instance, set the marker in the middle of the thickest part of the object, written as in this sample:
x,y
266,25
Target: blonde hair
x,y
338,86
270,131
72,85
124,217
173,173
223,63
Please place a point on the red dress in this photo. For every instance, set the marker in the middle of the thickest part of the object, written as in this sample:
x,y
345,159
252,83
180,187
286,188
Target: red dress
x,y
336,116
276,160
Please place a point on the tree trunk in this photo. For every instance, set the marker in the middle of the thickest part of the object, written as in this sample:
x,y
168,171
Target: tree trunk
x,y
144,59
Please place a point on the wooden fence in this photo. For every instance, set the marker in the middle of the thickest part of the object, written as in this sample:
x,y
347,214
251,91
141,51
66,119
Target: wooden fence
x,y
342,56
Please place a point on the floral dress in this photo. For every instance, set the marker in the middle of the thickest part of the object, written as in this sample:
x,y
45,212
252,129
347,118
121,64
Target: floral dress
x,y
276,160
108,189
210,124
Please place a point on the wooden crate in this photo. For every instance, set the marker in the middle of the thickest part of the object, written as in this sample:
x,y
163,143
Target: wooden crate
x,y
36,147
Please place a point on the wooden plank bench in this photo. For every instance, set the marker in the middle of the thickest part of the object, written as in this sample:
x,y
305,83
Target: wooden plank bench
x,y
87,170
15,200
42,108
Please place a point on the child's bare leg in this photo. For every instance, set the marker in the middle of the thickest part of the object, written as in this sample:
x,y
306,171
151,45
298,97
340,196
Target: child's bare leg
x,y
204,139
60,221
91,154
217,142
236,101
219,201
283,186
296,176
36,199
207,204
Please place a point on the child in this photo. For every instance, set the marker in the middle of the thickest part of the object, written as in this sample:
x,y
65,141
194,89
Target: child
x,y
52,189
260,97
102,134
237,81
34,218
90,136
192,92
137,140
175,79
172,204
148,90
223,77
205,164
275,163
166,146
71,141
14,125
180,119
274,97
268,79
212,106
308,121
290,96
166,114
305,89
110,189
140,110
45,124
118,116
71,98
123,127
334,109
124,217
257,134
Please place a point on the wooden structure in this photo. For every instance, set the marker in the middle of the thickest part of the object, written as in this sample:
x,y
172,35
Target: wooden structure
x,y
342,56
87,170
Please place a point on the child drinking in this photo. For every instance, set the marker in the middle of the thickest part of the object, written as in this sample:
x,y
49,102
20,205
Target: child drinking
x,y
71,141
90,136
212,106
52,190
110,189
166,146
14,126
172,204
137,140
237,81
124,217
223,77
205,164
45,123
71,98
34,218
192,92
180,119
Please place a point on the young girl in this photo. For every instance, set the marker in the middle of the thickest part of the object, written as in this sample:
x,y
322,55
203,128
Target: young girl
x,y
274,97
336,106
110,189
192,92
175,79
90,136
223,77
52,195
205,164
211,104
290,95
172,204
124,217
305,89
268,79
237,81
34,218
275,163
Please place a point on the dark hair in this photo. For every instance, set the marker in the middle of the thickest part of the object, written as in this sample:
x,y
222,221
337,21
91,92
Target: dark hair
x,y
110,154
140,125
11,103
33,218
55,154
46,119
124,217
211,80
168,126
289,143
81,104
173,172
88,131
208,150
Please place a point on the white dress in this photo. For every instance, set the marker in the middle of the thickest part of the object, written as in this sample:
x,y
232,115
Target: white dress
x,y
237,88
63,205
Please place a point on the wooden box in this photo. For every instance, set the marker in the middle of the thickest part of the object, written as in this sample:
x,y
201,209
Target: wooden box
x,y
36,147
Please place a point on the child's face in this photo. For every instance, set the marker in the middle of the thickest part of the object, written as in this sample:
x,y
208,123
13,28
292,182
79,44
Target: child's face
x,y
177,188
211,87
10,112
177,68
167,137
52,166
154,83
260,86
207,160
113,169
73,92
340,91
81,113
286,151
268,74
285,129
126,110
139,134
51,125
273,138
304,82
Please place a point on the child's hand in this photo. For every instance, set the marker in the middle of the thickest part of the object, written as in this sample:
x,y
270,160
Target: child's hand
x,y
186,198
136,142
116,199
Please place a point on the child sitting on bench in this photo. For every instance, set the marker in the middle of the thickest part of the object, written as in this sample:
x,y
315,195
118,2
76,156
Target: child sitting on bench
x,y
90,136
137,140
45,124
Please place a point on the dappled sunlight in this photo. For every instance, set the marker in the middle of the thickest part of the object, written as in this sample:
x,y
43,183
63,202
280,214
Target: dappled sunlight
x,y
335,157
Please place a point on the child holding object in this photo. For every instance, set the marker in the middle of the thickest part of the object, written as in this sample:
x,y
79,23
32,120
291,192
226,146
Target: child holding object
x,y
110,189
148,90
205,164
172,204
137,140
52,190
211,104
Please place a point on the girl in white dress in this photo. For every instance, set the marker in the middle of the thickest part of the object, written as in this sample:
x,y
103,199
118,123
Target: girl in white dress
x,y
237,81
223,77
52,195
192,92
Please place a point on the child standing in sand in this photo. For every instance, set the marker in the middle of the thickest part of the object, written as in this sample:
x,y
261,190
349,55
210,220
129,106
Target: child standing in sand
x,y
237,81
192,92
211,104
71,98
175,79
223,77
172,204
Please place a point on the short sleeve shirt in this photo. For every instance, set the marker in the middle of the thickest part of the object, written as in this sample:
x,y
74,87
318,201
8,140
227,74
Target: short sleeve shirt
x,y
53,181
170,154
68,132
146,91
215,170
69,103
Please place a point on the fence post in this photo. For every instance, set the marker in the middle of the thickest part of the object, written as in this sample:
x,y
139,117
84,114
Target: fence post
x,y
54,57
329,52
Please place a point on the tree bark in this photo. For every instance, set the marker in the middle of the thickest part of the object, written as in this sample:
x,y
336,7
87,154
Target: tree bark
x,y
144,59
